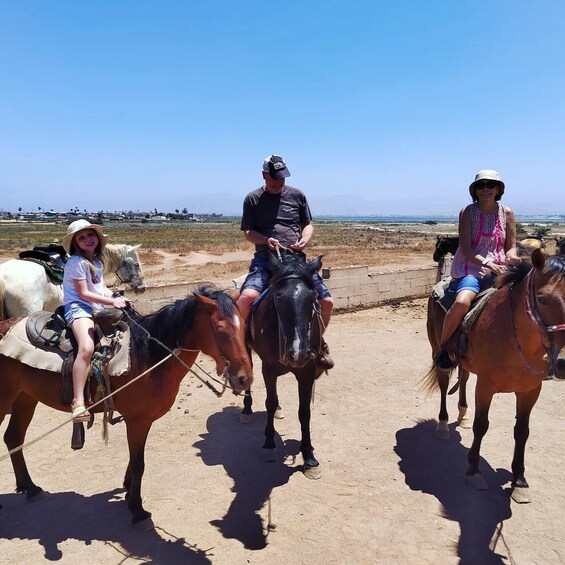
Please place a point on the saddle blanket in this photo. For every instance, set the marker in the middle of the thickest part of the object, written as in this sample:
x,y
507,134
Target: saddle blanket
x,y
16,345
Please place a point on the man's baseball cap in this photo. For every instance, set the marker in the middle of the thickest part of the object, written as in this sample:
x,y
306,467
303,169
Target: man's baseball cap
x,y
276,167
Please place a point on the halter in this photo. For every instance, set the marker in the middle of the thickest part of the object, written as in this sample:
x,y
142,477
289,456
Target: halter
x,y
535,317
125,271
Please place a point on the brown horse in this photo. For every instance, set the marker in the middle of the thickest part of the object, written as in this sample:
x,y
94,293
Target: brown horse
x,y
206,321
516,340
286,327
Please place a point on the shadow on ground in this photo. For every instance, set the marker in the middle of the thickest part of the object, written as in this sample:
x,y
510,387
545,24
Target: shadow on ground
x,y
438,467
53,519
237,447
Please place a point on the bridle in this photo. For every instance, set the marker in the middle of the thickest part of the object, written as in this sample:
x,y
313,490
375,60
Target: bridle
x,y
283,338
543,329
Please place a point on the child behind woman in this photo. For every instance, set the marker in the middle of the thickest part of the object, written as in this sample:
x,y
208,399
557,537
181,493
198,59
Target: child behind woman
x,y
84,291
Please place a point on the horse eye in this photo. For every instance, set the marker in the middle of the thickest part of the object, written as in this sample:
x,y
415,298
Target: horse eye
x,y
542,300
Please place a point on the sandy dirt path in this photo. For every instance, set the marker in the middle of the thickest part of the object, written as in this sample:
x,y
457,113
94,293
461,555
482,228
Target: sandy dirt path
x,y
390,492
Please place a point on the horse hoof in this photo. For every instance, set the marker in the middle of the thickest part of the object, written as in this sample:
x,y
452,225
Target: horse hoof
x,y
442,430
270,455
312,473
279,414
245,418
521,495
465,423
477,481
144,525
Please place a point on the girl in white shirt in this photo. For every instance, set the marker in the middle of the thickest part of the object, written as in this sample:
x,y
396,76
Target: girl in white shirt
x,y
84,291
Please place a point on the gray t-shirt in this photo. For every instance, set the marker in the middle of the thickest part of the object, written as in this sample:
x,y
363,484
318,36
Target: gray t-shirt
x,y
282,216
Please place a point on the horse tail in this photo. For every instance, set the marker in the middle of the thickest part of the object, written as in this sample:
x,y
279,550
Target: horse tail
x,y
430,381
2,305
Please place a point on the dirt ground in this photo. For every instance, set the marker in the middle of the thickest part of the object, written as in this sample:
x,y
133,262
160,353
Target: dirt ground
x,y
390,492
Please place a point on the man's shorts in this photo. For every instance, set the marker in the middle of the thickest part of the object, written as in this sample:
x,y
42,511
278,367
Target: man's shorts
x,y
472,283
76,310
258,278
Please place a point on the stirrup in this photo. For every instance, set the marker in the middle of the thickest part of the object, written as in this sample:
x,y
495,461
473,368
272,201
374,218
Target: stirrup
x,y
443,361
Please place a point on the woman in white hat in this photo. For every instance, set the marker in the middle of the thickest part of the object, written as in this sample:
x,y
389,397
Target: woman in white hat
x,y
487,242
84,291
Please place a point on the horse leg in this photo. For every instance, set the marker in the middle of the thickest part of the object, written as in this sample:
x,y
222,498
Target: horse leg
x,y
23,409
442,429
247,412
463,419
311,465
525,401
137,432
483,399
271,403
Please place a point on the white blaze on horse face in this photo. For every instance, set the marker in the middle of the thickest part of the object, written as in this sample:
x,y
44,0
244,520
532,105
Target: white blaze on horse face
x,y
236,322
296,342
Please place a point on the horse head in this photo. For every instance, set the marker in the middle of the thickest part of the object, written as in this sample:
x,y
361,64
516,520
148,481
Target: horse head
x,y
126,265
226,342
548,300
560,246
296,304
445,245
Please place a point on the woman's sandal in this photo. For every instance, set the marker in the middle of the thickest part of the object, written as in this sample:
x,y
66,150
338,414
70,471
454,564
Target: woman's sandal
x,y
80,413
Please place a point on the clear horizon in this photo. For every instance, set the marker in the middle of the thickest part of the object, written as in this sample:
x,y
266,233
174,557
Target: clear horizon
x,y
378,108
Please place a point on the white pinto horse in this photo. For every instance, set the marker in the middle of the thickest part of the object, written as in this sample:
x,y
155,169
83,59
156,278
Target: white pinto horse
x,y
25,287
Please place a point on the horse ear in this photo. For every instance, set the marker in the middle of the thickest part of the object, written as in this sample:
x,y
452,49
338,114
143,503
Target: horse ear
x,y
316,264
538,258
136,247
207,303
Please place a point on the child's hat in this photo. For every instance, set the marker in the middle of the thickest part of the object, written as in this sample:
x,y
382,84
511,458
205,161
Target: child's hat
x,y
79,225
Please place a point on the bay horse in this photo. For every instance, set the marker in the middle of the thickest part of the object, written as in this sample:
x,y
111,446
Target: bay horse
x,y
516,340
207,321
286,331
26,288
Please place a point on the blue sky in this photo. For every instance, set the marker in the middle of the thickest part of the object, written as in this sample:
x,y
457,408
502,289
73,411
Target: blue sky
x,y
378,107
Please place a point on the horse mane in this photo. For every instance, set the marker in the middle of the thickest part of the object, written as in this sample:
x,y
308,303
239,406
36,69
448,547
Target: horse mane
x,y
554,265
294,267
170,323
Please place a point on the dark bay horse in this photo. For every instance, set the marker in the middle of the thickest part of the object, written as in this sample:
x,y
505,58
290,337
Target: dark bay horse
x,y
286,330
517,339
445,244
560,246
206,321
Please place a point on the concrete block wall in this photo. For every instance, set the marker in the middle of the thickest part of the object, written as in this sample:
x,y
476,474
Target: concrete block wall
x,y
156,297
351,287
355,287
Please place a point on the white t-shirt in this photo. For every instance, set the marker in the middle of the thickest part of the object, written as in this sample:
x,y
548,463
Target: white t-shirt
x,y
77,269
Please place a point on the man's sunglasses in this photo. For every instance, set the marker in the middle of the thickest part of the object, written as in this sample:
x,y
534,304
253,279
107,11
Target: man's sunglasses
x,y
489,184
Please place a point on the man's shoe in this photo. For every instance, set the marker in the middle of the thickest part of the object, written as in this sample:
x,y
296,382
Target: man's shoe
x,y
324,359
443,361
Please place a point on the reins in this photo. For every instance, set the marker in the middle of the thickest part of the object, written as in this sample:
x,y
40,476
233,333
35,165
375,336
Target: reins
x,y
537,320
172,353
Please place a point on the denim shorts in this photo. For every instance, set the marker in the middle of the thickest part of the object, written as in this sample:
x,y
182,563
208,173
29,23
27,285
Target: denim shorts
x,y
259,275
76,310
472,283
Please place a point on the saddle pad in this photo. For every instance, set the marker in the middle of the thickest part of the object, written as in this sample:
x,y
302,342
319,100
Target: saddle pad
x,y
16,345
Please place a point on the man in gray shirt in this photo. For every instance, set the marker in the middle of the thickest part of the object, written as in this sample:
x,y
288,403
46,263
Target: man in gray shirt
x,y
277,215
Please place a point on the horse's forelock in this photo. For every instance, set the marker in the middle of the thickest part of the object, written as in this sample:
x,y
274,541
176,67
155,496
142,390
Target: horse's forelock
x,y
225,302
293,268
554,265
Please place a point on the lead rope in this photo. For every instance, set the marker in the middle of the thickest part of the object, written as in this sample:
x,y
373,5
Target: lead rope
x,y
105,398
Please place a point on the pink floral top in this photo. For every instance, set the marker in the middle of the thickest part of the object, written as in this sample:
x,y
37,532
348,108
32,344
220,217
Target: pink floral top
x,y
487,239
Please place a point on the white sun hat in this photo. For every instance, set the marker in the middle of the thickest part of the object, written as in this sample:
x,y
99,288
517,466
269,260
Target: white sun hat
x,y
79,225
